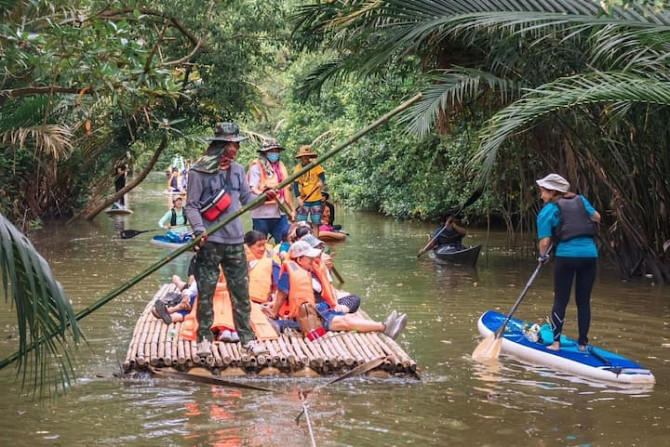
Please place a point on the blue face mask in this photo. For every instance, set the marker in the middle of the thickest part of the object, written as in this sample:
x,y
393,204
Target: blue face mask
x,y
273,157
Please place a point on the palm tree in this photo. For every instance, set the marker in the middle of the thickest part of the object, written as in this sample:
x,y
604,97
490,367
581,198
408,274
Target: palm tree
x,y
46,321
561,85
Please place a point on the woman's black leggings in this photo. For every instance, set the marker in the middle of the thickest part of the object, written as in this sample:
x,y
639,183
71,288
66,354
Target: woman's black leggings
x,y
565,270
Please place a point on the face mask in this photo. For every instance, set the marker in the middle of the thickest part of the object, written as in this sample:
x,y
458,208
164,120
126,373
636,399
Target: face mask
x,y
273,157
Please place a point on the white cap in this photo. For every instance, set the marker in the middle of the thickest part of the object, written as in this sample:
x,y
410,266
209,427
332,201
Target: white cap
x,y
302,248
554,182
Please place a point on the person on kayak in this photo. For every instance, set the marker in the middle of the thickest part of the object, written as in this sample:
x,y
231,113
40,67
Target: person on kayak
x,y
450,234
571,221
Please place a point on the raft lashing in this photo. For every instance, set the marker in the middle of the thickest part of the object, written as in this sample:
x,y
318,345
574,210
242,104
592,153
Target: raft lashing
x,y
156,344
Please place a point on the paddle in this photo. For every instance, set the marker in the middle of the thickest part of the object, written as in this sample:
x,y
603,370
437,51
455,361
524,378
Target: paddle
x,y
473,198
129,234
490,347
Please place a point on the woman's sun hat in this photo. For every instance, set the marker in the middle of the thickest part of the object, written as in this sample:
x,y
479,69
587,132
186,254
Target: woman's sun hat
x,y
554,182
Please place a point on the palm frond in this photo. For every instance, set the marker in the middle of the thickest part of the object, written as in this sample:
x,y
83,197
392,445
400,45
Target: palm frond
x,y
563,94
45,317
455,86
50,139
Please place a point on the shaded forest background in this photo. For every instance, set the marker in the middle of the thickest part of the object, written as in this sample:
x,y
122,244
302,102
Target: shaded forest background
x,y
513,90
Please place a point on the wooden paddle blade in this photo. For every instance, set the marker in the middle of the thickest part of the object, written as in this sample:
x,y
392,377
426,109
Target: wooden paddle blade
x,y
489,348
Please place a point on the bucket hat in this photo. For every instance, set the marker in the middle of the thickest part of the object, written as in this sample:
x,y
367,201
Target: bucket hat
x,y
302,248
269,145
227,132
554,182
306,151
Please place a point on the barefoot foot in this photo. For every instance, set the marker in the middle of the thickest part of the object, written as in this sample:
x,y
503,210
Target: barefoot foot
x,y
556,346
582,347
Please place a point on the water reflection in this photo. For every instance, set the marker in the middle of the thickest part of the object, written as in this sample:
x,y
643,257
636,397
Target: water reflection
x,y
458,402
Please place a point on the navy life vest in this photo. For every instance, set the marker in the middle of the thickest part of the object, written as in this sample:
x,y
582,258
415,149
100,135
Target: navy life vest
x,y
173,219
575,220
449,237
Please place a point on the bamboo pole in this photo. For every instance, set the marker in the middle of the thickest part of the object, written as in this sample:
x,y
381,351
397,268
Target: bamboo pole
x,y
189,246
148,326
167,360
226,357
161,344
181,351
313,357
273,354
363,347
338,360
389,356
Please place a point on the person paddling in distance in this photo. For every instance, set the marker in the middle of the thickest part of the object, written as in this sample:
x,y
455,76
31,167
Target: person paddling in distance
x,y
267,171
450,234
175,217
307,188
571,221
306,290
216,189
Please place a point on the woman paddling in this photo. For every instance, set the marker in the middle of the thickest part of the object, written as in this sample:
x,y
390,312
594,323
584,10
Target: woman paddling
x,y
570,220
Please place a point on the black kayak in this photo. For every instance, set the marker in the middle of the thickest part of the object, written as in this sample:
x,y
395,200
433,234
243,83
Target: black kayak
x,y
458,255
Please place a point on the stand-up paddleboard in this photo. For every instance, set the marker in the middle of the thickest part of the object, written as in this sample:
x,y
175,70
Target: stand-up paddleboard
x,y
118,211
163,241
594,363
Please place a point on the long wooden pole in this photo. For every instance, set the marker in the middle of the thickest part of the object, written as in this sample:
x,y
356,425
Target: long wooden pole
x,y
257,201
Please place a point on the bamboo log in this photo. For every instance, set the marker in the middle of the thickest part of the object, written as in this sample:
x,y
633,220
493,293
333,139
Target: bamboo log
x,y
353,348
143,339
318,353
390,358
288,353
329,361
283,361
400,362
407,361
304,358
273,354
175,344
235,351
338,361
368,339
218,361
362,346
153,347
335,341
314,362
226,357
167,360
181,351
161,344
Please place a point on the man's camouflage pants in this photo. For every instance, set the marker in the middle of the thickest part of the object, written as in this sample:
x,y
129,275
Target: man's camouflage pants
x,y
233,261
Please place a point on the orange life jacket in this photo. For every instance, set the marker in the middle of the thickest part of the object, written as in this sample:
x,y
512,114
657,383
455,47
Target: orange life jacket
x,y
260,276
301,290
272,181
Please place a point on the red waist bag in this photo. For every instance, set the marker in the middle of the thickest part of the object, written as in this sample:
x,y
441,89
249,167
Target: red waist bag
x,y
216,205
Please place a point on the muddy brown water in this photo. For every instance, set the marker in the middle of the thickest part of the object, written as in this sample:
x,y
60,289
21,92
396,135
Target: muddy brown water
x,y
457,402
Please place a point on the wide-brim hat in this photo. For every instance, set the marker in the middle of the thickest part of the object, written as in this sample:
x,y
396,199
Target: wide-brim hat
x,y
302,248
554,182
269,145
227,132
306,151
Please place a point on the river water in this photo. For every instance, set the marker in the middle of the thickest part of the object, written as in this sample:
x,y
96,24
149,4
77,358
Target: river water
x,y
457,402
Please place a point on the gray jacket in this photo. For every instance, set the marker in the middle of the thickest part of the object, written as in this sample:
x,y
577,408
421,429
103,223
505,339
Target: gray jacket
x,y
202,185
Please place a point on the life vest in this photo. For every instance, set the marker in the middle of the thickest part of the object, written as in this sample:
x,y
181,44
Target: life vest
x,y
270,179
173,218
575,220
301,289
260,276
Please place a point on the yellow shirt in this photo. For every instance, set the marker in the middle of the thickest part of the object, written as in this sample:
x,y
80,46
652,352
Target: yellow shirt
x,y
309,182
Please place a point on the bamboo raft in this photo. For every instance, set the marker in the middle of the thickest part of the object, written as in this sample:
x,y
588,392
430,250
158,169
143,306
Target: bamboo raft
x,y
156,344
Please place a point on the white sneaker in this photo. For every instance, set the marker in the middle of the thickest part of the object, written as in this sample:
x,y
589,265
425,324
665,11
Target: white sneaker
x,y
234,338
253,347
225,336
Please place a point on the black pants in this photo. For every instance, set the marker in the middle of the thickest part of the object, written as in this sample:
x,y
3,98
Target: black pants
x,y
565,270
